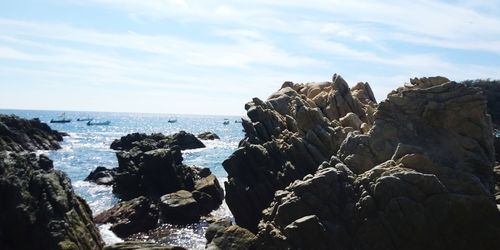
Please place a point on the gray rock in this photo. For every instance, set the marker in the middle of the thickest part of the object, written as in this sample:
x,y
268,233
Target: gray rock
x,y
208,136
179,208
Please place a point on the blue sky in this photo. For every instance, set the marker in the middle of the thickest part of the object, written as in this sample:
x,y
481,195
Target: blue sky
x,y
210,57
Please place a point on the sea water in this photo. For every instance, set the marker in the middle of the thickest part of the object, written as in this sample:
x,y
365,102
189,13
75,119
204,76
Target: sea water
x,y
87,147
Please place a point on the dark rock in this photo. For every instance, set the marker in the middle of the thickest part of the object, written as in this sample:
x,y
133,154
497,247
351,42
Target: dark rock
x,y
139,245
130,217
154,141
17,135
223,235
39,209
179,208
288,136
497,147
208,193
422,178
101,176
208,136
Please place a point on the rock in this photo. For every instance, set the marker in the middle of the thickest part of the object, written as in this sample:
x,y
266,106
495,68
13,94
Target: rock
x,y
157,140
208,136
208,192
39,209
351,120
17,135
130,217
497,147
139,245
421,178
101,176
223,235
288,136
179,208
496,174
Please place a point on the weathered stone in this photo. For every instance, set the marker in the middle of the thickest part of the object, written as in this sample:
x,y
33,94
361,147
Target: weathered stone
x,y
157,140
229,237
179,208
39,209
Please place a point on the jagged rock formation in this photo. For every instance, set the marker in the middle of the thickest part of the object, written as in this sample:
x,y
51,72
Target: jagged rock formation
x,y
151,168
17,135
149,142
420,178
38,208
288,136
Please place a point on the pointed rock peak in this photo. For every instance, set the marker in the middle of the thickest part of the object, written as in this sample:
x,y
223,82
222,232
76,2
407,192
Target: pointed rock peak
x,y
340,84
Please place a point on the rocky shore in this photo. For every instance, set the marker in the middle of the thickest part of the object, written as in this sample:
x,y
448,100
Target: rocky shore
x,y
323,166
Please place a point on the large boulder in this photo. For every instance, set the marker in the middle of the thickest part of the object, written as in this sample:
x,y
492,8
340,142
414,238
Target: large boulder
x,y
422,178
179,208
287,137
223,235
38,208
17,135
130,217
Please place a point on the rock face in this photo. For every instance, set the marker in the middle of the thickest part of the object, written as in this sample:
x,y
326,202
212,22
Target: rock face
x,y
17,135
154,141
130,217
39,209
208,136
288,136
420,178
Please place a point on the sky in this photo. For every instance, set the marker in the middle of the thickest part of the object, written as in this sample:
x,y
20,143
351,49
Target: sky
x,y
211,57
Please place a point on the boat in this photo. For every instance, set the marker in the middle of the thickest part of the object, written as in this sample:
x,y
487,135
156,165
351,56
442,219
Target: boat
x,y
238,121
172,120
226,122
61,119
91,123
84,119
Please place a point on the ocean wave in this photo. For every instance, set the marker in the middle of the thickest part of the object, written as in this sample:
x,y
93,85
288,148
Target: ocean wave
x,y
107,235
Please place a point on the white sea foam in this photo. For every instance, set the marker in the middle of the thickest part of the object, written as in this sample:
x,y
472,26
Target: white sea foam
x,y
107,235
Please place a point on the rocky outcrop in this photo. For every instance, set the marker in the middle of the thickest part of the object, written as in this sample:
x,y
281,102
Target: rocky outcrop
x,y
287,137
155,141
208,136
17,135
130,217
420,178
139,245
39,209
102,176
168,190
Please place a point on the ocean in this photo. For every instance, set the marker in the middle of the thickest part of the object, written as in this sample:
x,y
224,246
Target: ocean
x,y
88,147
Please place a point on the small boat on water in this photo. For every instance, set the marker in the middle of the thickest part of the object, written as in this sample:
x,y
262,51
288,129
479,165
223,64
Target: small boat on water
x,y
238,121
84,119
226,122
172,120
97,123
61,119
